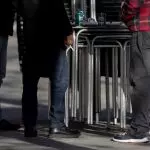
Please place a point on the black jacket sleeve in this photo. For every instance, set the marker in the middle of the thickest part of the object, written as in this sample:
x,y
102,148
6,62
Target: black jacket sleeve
x,y
6,17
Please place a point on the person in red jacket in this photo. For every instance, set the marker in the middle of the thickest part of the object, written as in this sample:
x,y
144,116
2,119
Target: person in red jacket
x,y
136,15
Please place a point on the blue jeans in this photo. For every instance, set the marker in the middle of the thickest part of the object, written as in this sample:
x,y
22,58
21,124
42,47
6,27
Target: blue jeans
x,y
59,77
3,56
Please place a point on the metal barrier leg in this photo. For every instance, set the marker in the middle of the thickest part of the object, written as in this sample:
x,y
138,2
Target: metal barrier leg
x,y
67,108
82,83
67,98
93,9
107,87
97,84
75,76
115,83
78,84
122,92
68,92
73,80
90,85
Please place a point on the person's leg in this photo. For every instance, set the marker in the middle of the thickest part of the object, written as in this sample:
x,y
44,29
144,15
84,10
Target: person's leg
x,y
59,84
3,57
29,104
140,95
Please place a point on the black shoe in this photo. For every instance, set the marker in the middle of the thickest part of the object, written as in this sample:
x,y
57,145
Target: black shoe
x,y
30,132
127,138
63,132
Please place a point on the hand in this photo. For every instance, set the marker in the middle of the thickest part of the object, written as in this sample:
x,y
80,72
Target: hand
x,y
69,40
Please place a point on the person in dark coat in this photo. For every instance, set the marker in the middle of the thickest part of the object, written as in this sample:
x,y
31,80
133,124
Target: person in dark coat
x,y
46,30
6,29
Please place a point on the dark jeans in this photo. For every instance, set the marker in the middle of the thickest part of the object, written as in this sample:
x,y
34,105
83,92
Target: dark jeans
x,y
59,82
140,82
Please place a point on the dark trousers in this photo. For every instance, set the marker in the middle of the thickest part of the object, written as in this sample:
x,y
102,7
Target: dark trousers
x,y
3,56
59,83
140,82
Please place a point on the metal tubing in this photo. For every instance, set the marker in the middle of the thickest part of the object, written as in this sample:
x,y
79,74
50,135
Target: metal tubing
x,y
91,84
122,96
68,92
90,75
115,83
73,8
93,9
81,83
122,100
73,76
75,97
115,77
97,84
107,87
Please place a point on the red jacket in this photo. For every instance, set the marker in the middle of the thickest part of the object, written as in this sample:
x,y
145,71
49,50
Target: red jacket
x,y
136,14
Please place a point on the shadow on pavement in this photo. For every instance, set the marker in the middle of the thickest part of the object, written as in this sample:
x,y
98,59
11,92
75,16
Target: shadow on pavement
x,y
43,141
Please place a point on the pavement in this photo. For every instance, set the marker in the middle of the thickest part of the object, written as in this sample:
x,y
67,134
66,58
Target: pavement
x,y
16,141
10,98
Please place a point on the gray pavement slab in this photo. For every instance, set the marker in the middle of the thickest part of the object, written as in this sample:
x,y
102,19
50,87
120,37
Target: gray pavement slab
x,y
16,141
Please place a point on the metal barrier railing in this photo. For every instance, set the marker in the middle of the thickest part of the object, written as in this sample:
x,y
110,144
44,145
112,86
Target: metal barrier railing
x,y
111,100
87,101
114,46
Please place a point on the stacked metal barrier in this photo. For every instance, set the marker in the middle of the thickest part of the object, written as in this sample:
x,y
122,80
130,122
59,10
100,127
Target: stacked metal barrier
x,y
93,97
114,85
